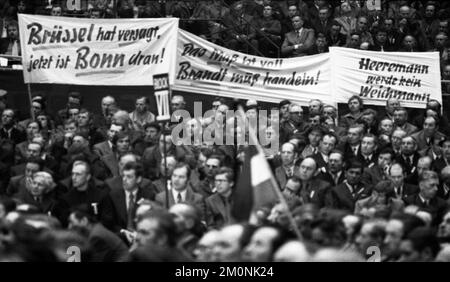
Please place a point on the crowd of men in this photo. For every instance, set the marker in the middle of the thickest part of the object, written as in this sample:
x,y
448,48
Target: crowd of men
x,y
369,179
112,183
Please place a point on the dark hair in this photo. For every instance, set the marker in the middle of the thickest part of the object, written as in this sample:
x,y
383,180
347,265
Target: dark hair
x,y
153,124
137,167
118,136
84,211
183,165
36,160
354,164
229,173
166,225
356,97
422,238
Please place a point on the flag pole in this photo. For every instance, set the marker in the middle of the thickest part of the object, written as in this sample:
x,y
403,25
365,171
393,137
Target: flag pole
x,y
253,137
31,101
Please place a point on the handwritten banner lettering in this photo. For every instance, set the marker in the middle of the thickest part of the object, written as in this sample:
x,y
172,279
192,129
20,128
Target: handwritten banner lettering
x,y
97,51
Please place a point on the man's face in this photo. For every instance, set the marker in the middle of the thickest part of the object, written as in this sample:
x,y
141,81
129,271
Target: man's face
x,y
13,32
129,180
444,227
83,119
223,185
368,146
323,14
387,126
440,41
335,162
32,129
8,117
227,248
167,142
307,169
443,26
353,175
354,104
267,12
211,167
38,187
384,160
381,37
388,25
80,177
429,188
429,11
394,234
151,134
335,29
404,13
408,146
409,42
391,105
297,22
327,144
124,160
205,246
396,176
123,144
429,126
252,114
30,169
314,138
146,232
423,165
179,179
171,163
141,106
321,42
446,149
397,138
400,117
292,11
362,23
354,42
113,130
329,112
354,135
77,224
79,140
259,248
408,254
33,150
284,111
314,120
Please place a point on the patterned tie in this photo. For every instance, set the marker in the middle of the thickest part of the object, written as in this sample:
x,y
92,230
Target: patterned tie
x,y
130,217
179,198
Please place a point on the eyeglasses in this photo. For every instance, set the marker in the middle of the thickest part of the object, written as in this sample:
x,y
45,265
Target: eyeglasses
x,y
220,180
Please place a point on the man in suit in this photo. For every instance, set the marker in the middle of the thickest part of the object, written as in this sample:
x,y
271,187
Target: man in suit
x,y
120,207
207,186
429,135
298,42
335,37
11,44
347,20
312,189
116,182
409,156
355,106
444,188
444,160
368,155
345,195
427,199
323,23
396,141
83,190
397,176
294,125
218,205
104,245
121,146
334,174
152,156
164,176
180,190
23,182
401,121
106,148
287,168
376,173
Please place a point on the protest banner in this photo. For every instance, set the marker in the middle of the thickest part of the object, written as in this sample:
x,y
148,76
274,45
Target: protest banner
x,y
206,68
97,51
413,78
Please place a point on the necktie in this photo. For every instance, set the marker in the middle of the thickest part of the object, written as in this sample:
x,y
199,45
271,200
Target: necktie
x,y
289,172
179,198
130,217
355,151
15,49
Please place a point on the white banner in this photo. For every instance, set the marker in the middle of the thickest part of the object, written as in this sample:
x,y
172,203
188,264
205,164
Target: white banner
x,y
209,69
413,78
97,51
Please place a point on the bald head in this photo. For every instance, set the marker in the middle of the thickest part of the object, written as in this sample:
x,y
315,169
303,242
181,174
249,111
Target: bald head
x,y
293,251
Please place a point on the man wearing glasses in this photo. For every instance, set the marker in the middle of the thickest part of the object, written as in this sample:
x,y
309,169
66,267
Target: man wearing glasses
x,y
218,205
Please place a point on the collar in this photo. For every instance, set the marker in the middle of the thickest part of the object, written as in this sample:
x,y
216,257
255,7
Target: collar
x,y
175,194
446,189
127,193
422,199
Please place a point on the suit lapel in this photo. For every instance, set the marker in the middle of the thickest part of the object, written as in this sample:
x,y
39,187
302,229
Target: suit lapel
x,y
121,205
220,206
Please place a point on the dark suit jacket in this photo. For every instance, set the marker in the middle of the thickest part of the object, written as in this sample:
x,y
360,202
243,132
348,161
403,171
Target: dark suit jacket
x,y
48,205
409,169
409,190
326,176
436,208
218,213
17,135
152,158
342,198
106,246
281,177
292,38
373,175
321,164
102,149
20,152
115,207
4,43
192,198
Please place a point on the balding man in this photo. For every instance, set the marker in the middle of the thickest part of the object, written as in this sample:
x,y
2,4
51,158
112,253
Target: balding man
x,y
429,135
288,167
391,105
427,199
294,124
101,120
409,156
397,176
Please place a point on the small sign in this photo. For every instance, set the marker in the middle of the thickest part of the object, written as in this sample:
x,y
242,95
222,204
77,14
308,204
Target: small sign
x,y
162,90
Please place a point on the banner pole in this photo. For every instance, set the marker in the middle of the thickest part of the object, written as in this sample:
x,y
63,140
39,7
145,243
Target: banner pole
x,y
31,101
